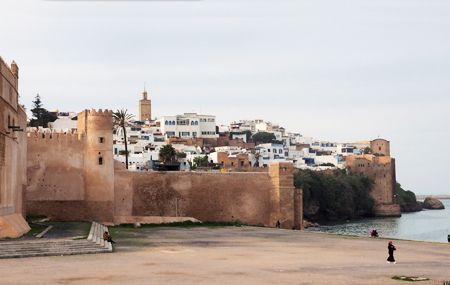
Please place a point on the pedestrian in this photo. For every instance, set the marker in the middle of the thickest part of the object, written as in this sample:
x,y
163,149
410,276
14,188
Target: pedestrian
x,y
278,225
391,249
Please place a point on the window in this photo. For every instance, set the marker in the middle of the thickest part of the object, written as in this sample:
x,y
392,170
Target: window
x,y
232,163
379,148
274,150
166,123
185,134
101,140
196,123
182,122
268,150
242,163
280,151
286,154
100,161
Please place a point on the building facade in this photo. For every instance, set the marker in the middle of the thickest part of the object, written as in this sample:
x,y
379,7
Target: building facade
x,y
379,166
13,151
188,125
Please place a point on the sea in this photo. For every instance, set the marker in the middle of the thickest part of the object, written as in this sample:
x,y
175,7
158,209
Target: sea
x,y
426,225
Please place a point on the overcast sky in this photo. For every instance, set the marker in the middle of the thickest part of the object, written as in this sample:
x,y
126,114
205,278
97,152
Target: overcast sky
x,y
340,71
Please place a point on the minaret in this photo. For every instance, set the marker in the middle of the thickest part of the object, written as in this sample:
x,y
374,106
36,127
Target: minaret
x,y
145,107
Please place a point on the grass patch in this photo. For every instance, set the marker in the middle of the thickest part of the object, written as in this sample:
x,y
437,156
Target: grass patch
x,y
409,278
35,229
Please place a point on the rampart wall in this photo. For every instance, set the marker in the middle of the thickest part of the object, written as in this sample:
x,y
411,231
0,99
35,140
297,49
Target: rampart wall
x,y
83,182
77,183
382,170
13,146
254,198
58,177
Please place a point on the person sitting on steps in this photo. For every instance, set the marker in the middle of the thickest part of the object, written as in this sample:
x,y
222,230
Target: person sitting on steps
x,y
107,237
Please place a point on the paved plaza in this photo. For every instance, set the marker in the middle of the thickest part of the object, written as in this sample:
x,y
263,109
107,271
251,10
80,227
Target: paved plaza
x,y
235,255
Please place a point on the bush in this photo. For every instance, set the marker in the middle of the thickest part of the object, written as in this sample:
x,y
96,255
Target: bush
x,y
339,194
405,196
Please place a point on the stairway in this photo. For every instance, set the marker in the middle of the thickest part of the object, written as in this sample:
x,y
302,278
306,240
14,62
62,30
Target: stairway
x,y
94,244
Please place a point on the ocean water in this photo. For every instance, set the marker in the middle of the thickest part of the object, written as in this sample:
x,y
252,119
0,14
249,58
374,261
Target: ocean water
x,y
426,225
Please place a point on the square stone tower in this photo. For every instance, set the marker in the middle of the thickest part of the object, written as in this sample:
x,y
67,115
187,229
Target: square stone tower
x,y
145,108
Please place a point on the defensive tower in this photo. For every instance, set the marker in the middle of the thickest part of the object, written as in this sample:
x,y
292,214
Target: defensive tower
x,y
97,126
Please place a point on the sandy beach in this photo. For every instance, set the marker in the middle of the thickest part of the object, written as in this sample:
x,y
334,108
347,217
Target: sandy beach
x,y
235,255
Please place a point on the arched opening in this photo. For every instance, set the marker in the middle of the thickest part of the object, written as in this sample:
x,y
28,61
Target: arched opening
x,y
100,161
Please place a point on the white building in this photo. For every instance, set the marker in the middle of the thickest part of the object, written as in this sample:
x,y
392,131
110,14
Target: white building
x,y
188,125
66,121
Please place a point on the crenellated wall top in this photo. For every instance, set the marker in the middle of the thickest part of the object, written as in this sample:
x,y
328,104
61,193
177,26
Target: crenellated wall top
x,y
2,62
100,112
55,136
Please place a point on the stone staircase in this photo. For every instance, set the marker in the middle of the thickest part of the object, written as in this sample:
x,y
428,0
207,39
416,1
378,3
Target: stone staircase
x,y
94,244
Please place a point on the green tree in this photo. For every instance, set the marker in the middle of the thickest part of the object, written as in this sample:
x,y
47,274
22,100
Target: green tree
x,y
264,137
167,153
201,161
341,195
121,120
367,150
40,115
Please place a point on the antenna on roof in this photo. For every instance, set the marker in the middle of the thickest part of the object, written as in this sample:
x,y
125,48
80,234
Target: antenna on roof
x,y
144,86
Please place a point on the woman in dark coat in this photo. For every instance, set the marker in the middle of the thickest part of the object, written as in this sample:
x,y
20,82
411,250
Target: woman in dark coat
x,y
391,249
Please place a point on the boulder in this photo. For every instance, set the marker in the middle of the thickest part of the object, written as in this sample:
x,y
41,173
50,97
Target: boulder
x,y
433,204
412,207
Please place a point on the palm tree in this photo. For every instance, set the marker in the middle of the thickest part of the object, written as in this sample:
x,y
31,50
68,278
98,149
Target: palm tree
x,y
121,120
167,153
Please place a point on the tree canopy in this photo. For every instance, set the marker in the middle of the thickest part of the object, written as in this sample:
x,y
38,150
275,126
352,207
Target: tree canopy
x,y
264,137
40,115
167,154
341,195
121,121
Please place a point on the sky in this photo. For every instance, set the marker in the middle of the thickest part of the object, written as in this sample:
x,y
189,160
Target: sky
x,y
340,71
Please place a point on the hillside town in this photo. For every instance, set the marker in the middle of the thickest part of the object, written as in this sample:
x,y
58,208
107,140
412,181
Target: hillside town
x,y
239,146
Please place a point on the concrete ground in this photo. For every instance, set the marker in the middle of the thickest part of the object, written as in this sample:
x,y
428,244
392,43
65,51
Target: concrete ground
x,y
235,255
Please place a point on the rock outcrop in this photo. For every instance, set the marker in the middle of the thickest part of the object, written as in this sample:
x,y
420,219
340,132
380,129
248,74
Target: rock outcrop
x,y
307,224
433,204
411,207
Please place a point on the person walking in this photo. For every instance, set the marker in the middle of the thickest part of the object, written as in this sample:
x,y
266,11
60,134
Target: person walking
x,y
391,249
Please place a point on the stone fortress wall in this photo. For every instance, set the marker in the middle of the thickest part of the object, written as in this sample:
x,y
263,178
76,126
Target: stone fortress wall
x,y
13,147
78,182
83,182
381,168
